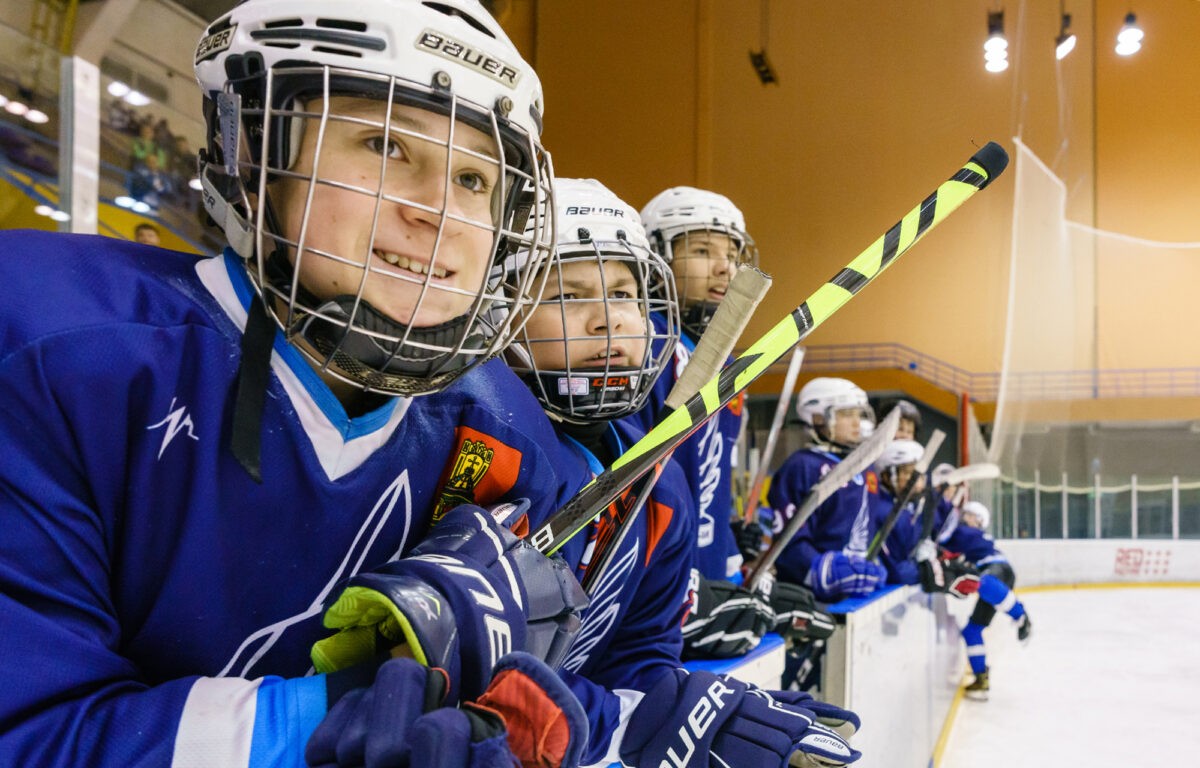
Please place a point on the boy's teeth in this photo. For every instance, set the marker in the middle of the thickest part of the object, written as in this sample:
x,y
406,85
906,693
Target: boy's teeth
x,y
404,262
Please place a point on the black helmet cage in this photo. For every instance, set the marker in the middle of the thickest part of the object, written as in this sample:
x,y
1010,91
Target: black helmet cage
x,y
602,393
347,337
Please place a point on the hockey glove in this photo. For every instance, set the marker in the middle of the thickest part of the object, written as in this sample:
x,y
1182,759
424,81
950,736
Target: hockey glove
x,y
702,720
835,575
526,717
727,620
797,618
749,537
467,595
954,577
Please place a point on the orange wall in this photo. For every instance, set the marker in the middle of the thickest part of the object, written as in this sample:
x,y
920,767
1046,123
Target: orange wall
x,y
877,103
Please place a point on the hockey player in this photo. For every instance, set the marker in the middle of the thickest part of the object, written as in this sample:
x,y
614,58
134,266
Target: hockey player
x,y
910,419
827,553
591,354
894,467
702,235
971,540
197,451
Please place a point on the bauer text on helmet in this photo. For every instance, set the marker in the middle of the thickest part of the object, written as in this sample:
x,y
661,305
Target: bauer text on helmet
x,y
372,162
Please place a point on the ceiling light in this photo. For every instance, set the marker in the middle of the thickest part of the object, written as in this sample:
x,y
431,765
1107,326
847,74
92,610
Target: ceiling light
x,y
1129,39
37,116
995,48
118,89
1065,42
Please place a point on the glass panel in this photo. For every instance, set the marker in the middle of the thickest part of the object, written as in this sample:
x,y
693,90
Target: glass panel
x,y
1189,513
1080,516
1154,511
1051,502
1115,521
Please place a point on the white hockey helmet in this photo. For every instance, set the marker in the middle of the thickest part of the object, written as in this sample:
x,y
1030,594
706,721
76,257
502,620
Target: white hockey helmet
x,y
597,227
899,453
941,473
680,211
980,511
268,70
821,398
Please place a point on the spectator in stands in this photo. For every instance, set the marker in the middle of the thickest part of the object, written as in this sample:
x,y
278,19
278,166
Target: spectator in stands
x,y
147,182
146,234
144,146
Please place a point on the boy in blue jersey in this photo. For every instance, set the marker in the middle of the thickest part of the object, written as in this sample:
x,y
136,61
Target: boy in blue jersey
x,y
965,535
198,453
827,553
591,355
702,236
894,467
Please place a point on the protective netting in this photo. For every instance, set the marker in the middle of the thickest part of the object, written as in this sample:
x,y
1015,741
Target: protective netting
x,y
1068,468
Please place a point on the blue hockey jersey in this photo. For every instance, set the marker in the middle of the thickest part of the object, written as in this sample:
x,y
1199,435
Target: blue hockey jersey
x,y
631,630
900,543
157,605
974,544
842,523
707,459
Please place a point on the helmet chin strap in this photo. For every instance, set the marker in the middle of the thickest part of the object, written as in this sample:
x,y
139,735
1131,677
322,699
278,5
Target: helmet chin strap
x,y
335,333
615,392
697,315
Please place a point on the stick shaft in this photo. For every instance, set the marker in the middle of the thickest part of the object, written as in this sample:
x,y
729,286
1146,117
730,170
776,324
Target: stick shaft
x,y
781,409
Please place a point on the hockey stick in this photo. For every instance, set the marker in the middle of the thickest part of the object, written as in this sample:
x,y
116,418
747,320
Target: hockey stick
x,y
746,290
781,408
976,174
856,461
984,470
905,495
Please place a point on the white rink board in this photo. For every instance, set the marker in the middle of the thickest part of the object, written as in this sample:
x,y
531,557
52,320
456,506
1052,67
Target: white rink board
x,y
897,662
1088,561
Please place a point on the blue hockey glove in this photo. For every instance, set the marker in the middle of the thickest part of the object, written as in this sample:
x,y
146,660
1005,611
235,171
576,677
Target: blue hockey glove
x,y
526,717
464,597
702,720
845,722
835,575
726,620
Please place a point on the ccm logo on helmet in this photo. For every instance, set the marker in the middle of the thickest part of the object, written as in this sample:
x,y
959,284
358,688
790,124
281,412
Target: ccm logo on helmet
x,y
448,47
610,381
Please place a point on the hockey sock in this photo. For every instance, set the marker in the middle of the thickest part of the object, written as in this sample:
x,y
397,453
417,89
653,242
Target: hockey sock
x,y
973,637
994,591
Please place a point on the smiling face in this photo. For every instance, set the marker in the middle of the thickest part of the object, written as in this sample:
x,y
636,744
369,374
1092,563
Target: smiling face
x,y
590,319
703,263
393,214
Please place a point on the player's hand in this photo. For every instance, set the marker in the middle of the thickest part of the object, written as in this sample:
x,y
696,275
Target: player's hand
x,y
726,620
954,576
835,575
749,537
470,593
702,720
526,716
797,617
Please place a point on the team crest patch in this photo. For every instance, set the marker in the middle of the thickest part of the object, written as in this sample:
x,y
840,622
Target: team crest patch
x,y
483,470
872,481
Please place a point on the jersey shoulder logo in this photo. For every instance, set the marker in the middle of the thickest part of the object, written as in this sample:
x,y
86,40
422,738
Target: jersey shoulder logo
x,y
483,471
178,420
